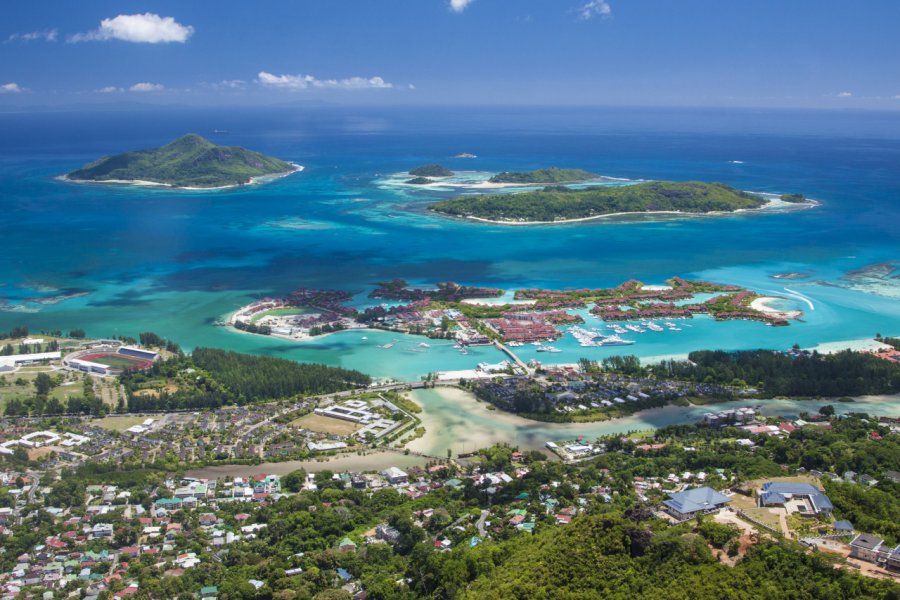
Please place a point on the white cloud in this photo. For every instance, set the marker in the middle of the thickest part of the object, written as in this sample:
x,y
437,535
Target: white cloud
x,y
110,89
594,8
302,82
844,94
897,97
459,5
11,88
411,86
146,87
49,35
147,28
230,84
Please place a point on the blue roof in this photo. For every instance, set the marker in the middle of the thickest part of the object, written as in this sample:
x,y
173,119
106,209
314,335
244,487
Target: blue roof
x,y
775,489
843,525
695,500
344,574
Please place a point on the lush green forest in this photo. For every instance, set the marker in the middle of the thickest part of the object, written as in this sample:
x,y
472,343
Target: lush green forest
x,y
551,175
189,161
613,557
211,377
844,373
556,203
433,170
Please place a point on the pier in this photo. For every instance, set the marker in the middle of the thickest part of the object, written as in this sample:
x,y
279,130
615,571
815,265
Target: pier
x,y
512,355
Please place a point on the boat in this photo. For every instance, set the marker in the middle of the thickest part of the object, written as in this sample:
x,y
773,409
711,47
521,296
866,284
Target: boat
x,y
537,343
514,344
548,349
635,328
614,340
424,345
364,337
653,326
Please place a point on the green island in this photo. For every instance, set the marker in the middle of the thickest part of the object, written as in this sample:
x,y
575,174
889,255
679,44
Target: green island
x,y
433,170
551,175
561,204
188,162
419,181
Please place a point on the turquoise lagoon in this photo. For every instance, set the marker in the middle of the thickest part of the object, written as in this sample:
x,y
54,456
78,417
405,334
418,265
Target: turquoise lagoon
x,y
119,260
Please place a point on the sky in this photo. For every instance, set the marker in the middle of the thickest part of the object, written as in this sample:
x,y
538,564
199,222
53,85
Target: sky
x,y
765,53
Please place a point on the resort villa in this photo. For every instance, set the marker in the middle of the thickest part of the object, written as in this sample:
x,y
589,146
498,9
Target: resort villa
x,y
687,504
802,498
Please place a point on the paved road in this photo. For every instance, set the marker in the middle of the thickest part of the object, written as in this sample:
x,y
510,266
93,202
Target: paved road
x,y
480,524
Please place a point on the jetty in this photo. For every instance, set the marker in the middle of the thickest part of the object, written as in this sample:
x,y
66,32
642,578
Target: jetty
x,y
503,348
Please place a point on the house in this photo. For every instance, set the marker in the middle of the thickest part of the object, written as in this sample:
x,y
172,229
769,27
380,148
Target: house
x,y
689,503
395,476
868,547
387,533
867,480
802,498
346,545
843,527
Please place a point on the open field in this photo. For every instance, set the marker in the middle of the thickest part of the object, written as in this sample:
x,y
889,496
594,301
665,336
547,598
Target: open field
x,y
278,312
153,390
742,502
794,479
323,424
70,387
764,515
119,423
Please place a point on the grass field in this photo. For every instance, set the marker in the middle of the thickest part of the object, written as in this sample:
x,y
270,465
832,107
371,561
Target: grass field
x,y
119,423
763,515
62,392
323,424
794,479
116,361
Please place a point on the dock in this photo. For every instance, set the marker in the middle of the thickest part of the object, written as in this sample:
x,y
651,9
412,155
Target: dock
x,y
500,346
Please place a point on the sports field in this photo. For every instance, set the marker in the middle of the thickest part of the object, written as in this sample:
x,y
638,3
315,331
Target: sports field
x,y
116,361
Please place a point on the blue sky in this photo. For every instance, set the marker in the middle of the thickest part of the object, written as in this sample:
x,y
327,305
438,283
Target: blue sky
x,y
773,53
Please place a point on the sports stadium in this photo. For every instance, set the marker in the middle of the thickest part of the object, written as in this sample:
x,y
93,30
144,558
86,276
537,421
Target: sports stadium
x,y
110,360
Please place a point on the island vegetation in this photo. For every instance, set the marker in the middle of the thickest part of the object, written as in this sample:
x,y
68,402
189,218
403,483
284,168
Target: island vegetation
x,y
550,175
419,181
559,203
189,162
210,378
432,170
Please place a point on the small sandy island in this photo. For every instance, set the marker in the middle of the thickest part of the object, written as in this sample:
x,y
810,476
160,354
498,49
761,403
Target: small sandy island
x,y
156,184
762,305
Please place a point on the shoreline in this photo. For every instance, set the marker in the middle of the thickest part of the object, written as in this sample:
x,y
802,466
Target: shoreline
x,y
442,182
259,179
761,305
768,207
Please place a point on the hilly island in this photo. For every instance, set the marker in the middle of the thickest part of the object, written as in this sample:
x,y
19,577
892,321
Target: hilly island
x,y
559,204
188,162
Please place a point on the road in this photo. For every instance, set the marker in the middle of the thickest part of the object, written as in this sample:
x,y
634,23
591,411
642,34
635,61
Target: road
x,y
480,524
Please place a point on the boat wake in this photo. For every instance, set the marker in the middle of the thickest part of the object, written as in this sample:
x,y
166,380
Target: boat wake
x,y
800,296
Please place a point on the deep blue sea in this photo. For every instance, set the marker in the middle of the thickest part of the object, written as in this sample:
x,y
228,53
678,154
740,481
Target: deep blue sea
x,y
175,261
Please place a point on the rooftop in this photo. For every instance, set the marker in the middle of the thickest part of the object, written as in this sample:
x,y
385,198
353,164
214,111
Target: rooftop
x,y
696,499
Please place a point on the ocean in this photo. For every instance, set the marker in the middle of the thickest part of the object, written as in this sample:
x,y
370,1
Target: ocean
x,y
120,260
